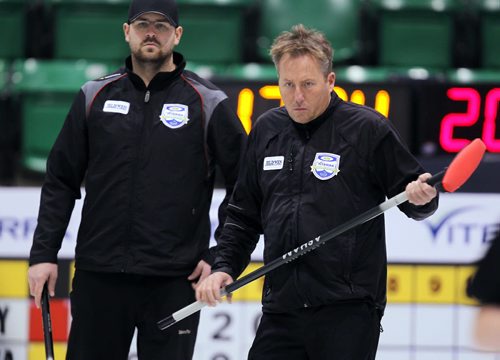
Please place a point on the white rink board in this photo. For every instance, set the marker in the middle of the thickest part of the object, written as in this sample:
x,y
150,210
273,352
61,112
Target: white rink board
x,y
14,322
226,332
13,351
457,233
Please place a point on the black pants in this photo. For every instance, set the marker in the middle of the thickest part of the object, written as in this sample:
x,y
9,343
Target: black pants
x,y
347,331
106,309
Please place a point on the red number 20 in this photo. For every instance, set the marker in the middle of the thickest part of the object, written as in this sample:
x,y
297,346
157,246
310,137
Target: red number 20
x,y
450,121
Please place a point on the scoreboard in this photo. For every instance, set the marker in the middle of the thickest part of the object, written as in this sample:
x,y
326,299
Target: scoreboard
x,y
450,116
434,117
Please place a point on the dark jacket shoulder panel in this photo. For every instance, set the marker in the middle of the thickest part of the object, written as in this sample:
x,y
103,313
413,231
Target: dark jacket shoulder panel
x,y
92,88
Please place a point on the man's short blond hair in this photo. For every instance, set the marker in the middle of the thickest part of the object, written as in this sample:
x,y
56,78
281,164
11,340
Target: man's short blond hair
x,y
303,41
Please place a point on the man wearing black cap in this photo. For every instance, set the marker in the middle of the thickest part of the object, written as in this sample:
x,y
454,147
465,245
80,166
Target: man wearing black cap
x,y
146,139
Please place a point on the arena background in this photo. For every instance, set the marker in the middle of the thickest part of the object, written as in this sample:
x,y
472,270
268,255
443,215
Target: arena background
x,y
431,66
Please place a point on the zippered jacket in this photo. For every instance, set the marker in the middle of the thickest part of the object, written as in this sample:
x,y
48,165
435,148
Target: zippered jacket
x,y
302,180
148,156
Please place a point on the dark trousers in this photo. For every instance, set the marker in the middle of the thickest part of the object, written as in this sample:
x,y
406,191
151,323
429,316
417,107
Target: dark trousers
x,y
106,309
347,331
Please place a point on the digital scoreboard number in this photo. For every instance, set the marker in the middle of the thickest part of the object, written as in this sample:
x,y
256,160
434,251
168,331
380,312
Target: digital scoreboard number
x,y
252,99
433,117
452,116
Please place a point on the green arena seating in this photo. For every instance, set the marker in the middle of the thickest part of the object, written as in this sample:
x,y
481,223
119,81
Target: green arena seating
x,y
361,74
490,33
12,28
415,32
213,30
3,74
338,19
473,76
46,90
90,29
252,72
206,70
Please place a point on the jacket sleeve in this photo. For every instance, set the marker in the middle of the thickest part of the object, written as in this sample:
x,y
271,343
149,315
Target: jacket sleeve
x,y
242,228
66,166
485,284
394,167
226,139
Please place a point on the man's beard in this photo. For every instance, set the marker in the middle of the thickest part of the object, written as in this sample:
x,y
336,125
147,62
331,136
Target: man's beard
x,y
147,59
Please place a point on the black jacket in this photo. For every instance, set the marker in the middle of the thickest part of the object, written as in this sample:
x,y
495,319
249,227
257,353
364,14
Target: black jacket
x,y
300,181
148,156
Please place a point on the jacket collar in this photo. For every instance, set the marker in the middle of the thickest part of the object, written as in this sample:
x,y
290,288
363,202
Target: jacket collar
x,y
306,130
161,79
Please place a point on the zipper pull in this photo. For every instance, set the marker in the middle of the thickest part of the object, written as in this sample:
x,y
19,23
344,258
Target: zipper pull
x,y
146,97
291,158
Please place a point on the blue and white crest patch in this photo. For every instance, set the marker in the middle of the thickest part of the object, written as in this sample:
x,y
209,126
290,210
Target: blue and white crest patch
x,y
174,115
325,165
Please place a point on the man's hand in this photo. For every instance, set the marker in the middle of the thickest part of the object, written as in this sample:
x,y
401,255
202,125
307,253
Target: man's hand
x,y
208,290
487,328
419,192
38,275
200,272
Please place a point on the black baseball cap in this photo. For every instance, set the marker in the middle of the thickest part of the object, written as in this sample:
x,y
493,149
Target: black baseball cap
x,y
167,8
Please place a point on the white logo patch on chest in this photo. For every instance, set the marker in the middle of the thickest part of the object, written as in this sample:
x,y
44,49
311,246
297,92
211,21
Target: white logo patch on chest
x,y
273,162
174,116
325,165
116,106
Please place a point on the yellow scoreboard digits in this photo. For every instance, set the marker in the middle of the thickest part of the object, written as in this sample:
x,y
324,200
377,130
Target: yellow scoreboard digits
x,y
358,97
245,108
246,101
341,93
383,102
382,99
271,92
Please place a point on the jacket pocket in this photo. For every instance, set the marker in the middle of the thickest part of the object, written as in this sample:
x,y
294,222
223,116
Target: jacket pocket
x,y
348,259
